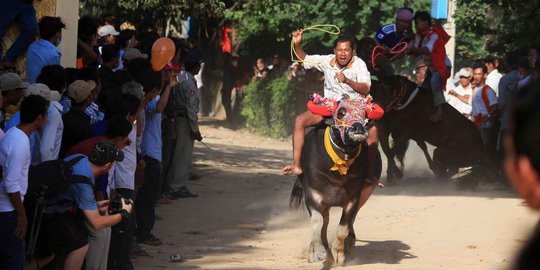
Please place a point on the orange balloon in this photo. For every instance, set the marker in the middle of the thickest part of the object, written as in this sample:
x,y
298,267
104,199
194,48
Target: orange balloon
x,y
162,52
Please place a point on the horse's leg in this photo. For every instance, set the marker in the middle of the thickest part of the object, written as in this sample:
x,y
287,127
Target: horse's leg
x,y
319,224
385,145
423,146
345,231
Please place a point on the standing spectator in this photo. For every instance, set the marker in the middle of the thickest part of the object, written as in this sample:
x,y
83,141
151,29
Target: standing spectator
x,y
107,35
493,77
151,151
15,161
12,88
484,110
186,107
44,51
228,85
260,70
110,54
47,141
86,41
459,97
122,181
23,11
524,72
507,90
429,45
77,126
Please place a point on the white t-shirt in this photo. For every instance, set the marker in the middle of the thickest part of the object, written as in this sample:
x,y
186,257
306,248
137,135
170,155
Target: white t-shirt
x,y
124,171
492,80
358,72
478,106
15,161
455,102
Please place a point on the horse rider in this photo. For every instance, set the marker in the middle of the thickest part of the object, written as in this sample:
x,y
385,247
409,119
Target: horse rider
x,y
390,35
345,74
428,45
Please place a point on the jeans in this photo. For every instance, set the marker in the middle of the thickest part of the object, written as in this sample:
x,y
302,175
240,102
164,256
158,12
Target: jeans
x,y
437,87
25,15
120,247
12,248
147,196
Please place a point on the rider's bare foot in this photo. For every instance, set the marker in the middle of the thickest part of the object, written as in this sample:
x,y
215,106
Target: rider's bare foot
x,y
292,170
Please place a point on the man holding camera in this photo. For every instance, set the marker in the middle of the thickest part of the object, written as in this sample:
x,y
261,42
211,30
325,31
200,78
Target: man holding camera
x,y
63,232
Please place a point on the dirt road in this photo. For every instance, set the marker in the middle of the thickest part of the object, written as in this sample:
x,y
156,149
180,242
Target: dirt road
x,y
241,219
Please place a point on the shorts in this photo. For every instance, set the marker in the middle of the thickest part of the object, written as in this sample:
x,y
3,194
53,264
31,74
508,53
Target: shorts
x,y
61,234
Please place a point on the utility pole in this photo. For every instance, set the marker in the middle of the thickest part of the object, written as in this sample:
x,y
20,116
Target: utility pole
x,y
450,28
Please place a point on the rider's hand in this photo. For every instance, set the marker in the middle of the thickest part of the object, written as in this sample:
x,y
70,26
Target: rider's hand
x,y
196,136
297,37
340,77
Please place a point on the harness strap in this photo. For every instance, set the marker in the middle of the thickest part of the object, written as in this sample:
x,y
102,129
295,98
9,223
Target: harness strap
x,y
409,100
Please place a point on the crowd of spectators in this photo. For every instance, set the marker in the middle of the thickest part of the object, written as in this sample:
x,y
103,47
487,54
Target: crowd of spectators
x,y
110,116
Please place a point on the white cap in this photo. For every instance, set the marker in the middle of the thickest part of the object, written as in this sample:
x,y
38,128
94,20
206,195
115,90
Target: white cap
x,y
464,72
107,30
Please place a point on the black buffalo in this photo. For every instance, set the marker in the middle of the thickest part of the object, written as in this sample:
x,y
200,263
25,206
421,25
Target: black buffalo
x,y
321,188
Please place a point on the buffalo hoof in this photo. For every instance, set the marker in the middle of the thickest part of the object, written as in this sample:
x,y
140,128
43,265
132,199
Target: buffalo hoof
x,y
317,253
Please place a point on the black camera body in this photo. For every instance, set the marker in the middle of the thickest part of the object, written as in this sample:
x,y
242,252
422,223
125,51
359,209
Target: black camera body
x,y
115,204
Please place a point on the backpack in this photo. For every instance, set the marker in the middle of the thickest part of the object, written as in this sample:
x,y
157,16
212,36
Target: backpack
x,y
50,179
46,182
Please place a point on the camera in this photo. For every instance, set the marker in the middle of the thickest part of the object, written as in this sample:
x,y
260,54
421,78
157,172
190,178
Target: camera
x,y
115,204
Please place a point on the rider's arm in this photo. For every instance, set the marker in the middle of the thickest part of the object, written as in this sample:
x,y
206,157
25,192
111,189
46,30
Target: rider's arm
x,y
297,41
360,87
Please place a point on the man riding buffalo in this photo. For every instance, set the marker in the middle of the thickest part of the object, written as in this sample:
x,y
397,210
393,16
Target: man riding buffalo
x,y
345,74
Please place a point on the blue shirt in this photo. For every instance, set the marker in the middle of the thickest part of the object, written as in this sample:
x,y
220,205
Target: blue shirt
x,y
387,36
40,53
151,142
66,104
81,194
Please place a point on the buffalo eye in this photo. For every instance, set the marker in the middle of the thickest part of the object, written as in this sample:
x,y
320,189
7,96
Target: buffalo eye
x,y
341,113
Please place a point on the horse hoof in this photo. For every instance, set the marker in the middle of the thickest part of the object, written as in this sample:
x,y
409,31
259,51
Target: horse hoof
x,y
316,254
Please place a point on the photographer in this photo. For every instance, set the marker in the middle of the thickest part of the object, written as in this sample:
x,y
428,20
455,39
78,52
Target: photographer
x,y
63,231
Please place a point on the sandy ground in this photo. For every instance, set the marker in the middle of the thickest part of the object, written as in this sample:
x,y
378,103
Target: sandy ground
x,y
241,219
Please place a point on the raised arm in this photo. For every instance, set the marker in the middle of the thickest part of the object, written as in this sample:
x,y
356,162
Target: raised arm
x,y
297,42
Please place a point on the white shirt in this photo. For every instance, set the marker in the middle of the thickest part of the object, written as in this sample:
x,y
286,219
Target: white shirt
x,y
50,137
124,171
459,105
198,77
15,161
358,72
492,80
479,107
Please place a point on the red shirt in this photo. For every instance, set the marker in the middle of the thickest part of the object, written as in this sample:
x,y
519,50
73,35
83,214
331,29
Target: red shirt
x,y
85,146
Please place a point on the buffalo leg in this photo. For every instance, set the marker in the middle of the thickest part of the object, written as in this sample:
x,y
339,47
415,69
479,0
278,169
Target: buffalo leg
x,y
319,224
345,231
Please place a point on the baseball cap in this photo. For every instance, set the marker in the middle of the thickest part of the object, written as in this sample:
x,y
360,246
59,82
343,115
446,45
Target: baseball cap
x,y
43,90
80,90
105,152
133,53
107,30
464,72
10,81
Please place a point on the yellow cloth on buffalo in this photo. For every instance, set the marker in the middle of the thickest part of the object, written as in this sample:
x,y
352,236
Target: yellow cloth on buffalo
x,y
340,165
